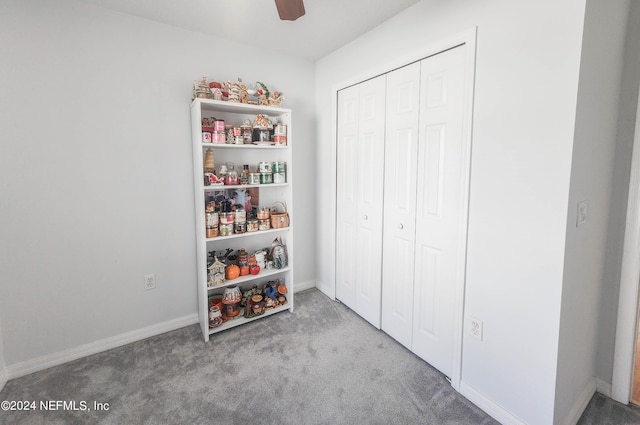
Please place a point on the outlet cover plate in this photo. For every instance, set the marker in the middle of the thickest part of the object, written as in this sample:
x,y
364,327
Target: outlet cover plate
x,y
475,328
582,213
149,281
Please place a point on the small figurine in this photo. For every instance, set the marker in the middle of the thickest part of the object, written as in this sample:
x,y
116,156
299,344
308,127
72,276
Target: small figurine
x,y
282,290
201,89
235,90
266,97
216,273
244,95
276,99
263,93
215,316
216,90
262,122
252,300
271,291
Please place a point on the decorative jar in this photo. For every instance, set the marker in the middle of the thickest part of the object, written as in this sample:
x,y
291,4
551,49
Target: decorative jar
x,y
215,317
232,295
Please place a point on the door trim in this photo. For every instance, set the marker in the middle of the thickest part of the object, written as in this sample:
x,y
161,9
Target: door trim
x,y
467,38
624,352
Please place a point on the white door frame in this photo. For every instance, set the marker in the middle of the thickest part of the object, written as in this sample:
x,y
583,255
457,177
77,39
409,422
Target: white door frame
x,y
624,353
467,38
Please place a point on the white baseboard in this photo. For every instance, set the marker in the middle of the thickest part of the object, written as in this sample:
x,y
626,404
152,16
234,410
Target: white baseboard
x,y
494,410
603,388
329,291
55,359
303,286
498,413
581,403
3,378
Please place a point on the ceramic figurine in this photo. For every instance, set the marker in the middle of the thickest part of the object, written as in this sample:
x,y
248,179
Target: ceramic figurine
x,y
244,95
217,273
253,302
232,295
256,305
271,291
235,90
209,161
216,90
263,93
252,95
215,316
201,89
262,122
275,99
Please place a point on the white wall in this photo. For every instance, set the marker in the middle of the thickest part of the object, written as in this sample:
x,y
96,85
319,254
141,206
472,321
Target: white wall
x,y
528,57
591,181
96,169
619,192
3,370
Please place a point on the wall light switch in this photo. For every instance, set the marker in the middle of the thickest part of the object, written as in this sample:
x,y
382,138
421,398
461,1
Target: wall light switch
x,y
582,213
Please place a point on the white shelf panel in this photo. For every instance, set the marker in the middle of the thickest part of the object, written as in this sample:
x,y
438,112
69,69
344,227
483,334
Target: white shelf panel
x,y
242,186
233,146
237,107
244,279
247,234
243,320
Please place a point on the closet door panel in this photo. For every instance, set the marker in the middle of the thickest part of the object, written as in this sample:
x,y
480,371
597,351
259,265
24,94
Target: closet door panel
x,y
401,149
439,226
347,182
369,199
359,197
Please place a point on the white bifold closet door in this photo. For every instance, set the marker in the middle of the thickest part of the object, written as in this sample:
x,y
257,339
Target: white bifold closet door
x,y
401,171
402,175
360,174
424,209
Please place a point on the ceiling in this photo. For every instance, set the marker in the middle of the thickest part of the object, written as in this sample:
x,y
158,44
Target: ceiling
x,y
326,26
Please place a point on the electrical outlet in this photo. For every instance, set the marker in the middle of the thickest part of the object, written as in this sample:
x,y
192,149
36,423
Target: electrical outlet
x,y
475,327
582,213
149,281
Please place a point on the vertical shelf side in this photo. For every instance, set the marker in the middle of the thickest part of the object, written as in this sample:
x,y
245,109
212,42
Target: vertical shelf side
x,y
201,245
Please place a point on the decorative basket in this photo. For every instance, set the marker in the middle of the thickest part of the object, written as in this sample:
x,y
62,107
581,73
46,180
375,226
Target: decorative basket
x,y
279,219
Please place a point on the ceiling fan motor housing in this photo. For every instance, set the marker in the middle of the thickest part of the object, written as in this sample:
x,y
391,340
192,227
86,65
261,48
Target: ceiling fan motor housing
x,y
290,10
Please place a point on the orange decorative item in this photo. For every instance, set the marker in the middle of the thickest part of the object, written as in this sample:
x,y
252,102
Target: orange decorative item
x,y
232,272
244,270
282,289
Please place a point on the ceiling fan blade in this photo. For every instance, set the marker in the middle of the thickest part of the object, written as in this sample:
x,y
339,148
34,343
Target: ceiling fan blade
x,y
290,10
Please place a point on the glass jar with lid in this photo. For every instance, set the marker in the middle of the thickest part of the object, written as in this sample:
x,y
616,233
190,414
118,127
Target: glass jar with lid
x,y
222,173
244,177
232,174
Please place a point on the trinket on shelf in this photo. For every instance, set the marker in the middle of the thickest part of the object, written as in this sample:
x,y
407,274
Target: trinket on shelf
x,y
253,302
216,273
215,317
262,121
201,89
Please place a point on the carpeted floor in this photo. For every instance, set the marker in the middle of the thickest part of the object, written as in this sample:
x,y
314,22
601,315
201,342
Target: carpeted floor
x,y
604,411
321,364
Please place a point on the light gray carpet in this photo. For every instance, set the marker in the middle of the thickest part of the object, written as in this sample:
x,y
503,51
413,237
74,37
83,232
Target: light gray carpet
x,y
604,411
321,364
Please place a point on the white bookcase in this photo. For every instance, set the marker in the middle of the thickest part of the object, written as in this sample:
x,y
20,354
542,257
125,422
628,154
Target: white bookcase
x,y
269,194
